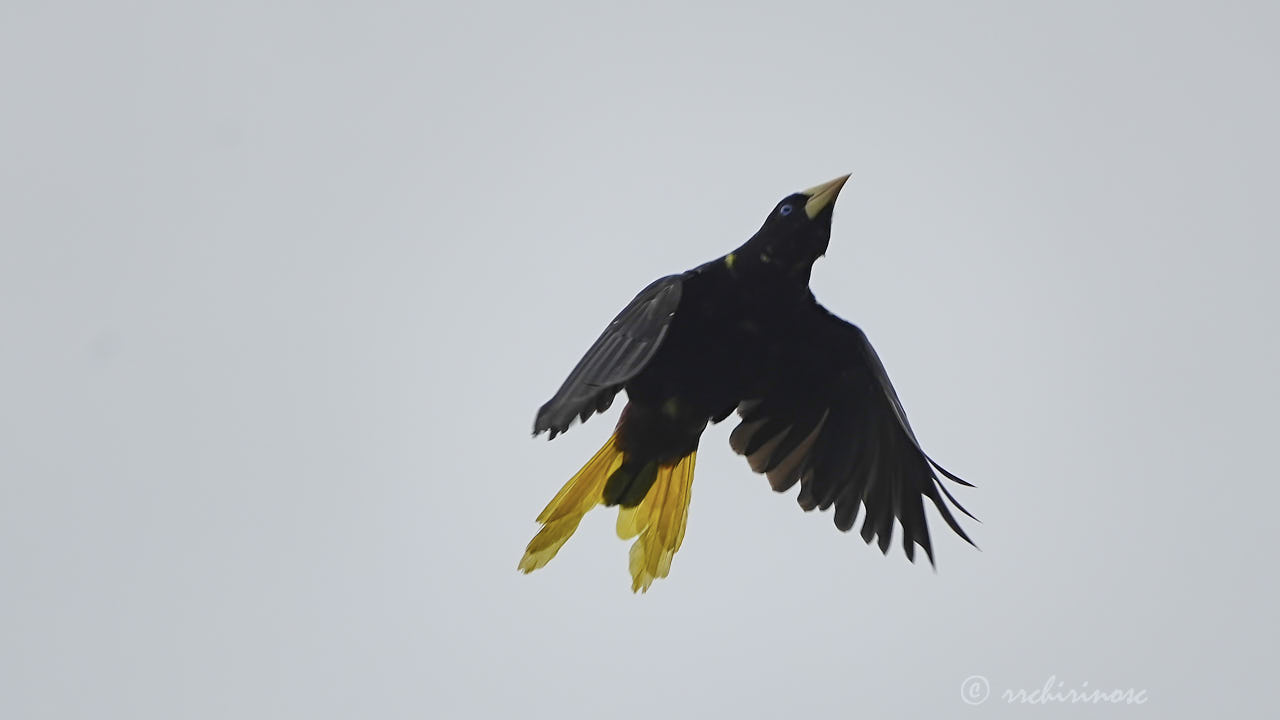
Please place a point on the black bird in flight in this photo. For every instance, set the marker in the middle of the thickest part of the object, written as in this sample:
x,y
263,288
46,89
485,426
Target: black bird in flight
x,y
744,333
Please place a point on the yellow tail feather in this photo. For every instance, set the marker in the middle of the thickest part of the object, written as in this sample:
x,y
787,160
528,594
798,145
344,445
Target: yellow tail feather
x,y
658,521
560,518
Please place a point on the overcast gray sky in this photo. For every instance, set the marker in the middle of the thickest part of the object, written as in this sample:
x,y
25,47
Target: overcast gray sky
x,y
282,285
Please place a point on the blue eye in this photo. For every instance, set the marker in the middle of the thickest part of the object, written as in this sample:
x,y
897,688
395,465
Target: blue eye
x,y
784,210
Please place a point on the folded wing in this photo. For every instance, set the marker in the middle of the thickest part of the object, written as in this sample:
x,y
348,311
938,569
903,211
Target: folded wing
x,y
620,353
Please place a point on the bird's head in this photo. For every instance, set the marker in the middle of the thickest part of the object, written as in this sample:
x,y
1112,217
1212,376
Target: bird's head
x,y
796,232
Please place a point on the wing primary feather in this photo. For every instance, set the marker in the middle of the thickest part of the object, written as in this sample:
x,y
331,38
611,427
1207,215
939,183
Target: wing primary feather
x,y
858,473
947,517
893,503
847,514
948,474
953,500
830,420
915,529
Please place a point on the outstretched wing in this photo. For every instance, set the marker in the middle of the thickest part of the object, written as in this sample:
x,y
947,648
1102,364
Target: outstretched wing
x,y
829,418
619,354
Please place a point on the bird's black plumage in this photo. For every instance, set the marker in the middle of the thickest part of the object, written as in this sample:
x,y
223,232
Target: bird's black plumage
x,y
619,354
743,332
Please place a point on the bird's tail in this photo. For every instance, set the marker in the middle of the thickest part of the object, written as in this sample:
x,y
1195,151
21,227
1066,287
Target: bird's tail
x,y
658,522
560,518
656,519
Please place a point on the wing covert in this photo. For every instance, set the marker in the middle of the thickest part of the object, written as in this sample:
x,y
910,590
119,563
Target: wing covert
x,y
623,350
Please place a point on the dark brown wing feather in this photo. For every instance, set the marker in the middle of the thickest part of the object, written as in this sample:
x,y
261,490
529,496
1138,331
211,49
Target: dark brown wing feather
x,y
619,354
828,418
